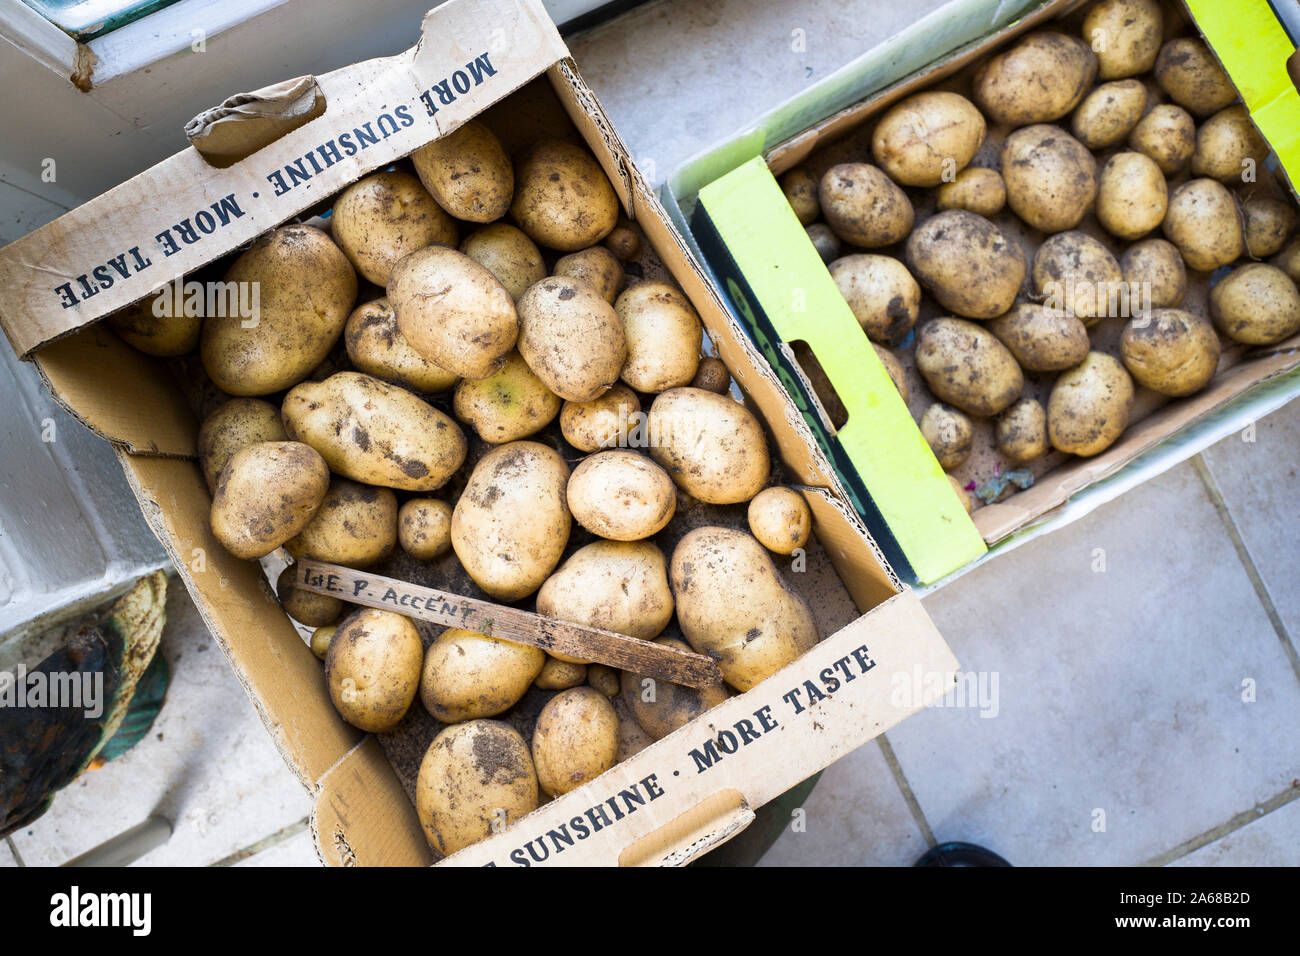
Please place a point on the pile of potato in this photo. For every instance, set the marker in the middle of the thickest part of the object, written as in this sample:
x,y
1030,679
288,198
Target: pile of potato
x,y
1068,183
451,374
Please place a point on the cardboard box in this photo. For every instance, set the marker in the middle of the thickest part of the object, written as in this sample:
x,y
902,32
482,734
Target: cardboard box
x,y
780,289
503,62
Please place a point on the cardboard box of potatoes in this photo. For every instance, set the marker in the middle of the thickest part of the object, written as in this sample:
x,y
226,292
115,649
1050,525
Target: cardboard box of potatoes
x,y
418,333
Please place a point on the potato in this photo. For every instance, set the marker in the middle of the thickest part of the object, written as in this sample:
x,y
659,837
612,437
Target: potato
x,y
711,446
321,639
894,368
476,777
624,241
1228,146
826,243
712,376
1190,74
1038,80
453,312
1155,266
663,337
1042,339
659,706
881,293
266,494
511,523
603,422
560,675
562,198
1256,304
949,434
1170,351
863,206
466,675
355,526
509,404
305,290
424,528
976,190
373,432
234,425
159,325
967,367
508,254
927,138
305,607
571,338
384,217
967,263
1073,272
1205,223
1021,432
779,518
1108,114
373,669
621,495
1269,221
1288,260
597,267
734,606
575,740
1167,135
377,347
1051,177
467,172
1089,405
604,679
1125,35
962,494
800,190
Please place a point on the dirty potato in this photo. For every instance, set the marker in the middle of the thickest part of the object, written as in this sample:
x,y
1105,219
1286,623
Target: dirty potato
x,y
1051,177
575,740
1156,267
1021,432
603,422
320,640
967,263
1089,406
949,434
712,376
424,528
663,337
384,217
266,494
1040,79
467,172
597,267
1191,75
780,519
604,679
508,254
967,367
1170,351
927,138
1108,114
881,293
466,676
355,526
509,404
1270,220
621,495
305,607
1073,272
562,198
560,675
1206,224
826,243
976,190
1228,146
1042,339
894,368
1167,135
711,446
1125,34
800,189
373,669
863,206
232,426
571,338
159,325
1257,304
377,347
659,706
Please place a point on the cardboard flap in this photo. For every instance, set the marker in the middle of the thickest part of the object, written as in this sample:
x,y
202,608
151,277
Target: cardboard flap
x,y
245,122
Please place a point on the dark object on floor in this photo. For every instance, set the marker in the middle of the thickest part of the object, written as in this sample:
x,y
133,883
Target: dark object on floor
x,y
961,854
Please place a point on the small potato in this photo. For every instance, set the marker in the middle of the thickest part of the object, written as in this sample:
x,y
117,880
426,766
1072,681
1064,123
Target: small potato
x,y
1193,78
305,607
962,494
1038,80
779,518
967,263
624,241
373,669
386,216
1269,221
1073,272
508,254
1051,177
1228,146
571,338
966,366
509,404
976,190
597,267
949,434
663,337
1089,406
1288,260
711,446
1021,432
1170,351
466,675
562,198
603,422
468,173
560,675
377,347
1125,34
659,707
576,739
320,640
355,526
1206,225
159,325
266,494
621,496
1042,339
234,425
894,368
826,243
476,778
927,137
712,376
1257,304
604,679
800,190
1109,113
881,293
1155,267
1167,135
863,206
424,528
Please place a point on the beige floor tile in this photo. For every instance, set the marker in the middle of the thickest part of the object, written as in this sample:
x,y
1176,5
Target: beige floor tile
x,y
1272,840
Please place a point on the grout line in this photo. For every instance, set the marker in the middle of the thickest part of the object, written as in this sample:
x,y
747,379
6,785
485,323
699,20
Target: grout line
x,y
1243,819
1243,555
276,838
909,797
13,848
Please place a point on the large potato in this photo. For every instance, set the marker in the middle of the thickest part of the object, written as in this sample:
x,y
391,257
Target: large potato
x,y
1257,304
881,293
863,206
621,495
711,446
658,706
509,404
603,422
232,426
562,198
159,325
1190,74
1156,267
949,434
1167,135
373,669
1051,177
467,675
571,338
453,311
373,432
1125,35
1228,147
598,267
967,263
663,337
384,217
355,526
575,740
780,519
927,138
1038,80
1073,272
1205,223
1109,113
467,172
1089,405
511,523
377,347
1170,351
266,494
508,254
734,606
305,289
1021,432
1042,339
976,190
966,366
